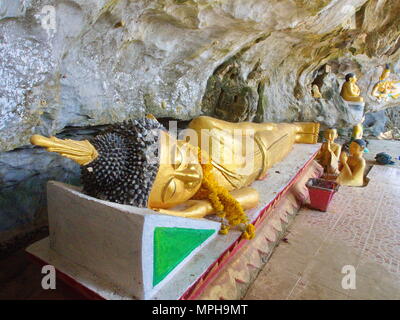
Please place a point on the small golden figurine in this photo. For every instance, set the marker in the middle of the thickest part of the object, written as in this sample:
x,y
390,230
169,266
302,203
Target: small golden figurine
x,y
353,167
357,134
329,154
350,90
316,93
139,163
386,88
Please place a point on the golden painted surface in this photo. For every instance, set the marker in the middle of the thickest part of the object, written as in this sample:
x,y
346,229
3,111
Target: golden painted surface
x,y
353,167
243,152
351,91
329,154
386,88
358,131
316,93
240,154
179,175
247,197
82,152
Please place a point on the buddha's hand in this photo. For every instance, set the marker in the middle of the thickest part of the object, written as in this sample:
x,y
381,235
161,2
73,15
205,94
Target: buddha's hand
x,y
247,197
190,209
343,158
328,146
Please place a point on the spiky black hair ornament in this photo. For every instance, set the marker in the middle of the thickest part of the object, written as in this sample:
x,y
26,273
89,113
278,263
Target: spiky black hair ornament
x,y
127,162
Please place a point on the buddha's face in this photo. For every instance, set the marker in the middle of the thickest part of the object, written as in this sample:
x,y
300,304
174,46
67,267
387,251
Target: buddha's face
x,y
331,135
179,176
358,132
353,79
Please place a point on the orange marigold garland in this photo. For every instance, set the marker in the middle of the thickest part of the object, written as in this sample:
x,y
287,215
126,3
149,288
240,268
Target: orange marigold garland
x,y
225,205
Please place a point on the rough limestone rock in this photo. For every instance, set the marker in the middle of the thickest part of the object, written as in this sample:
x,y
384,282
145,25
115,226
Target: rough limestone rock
x,y
393,122
74,64
91,62
375,123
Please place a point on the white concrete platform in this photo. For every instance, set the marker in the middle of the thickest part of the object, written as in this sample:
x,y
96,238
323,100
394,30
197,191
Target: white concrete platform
x,y
355,111
117,239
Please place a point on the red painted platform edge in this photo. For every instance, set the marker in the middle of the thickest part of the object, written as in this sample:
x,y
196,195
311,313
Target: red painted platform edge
x,y
195,290
71,282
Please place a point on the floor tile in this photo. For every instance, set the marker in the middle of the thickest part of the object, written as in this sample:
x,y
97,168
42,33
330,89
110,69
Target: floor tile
x,y
306,290
326,275
375,288
361,229
272,286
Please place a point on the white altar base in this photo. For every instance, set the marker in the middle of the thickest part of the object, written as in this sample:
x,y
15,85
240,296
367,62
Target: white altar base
x,y
132,280
355,111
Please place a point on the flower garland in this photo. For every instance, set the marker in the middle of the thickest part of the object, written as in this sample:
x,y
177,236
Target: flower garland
x,y
225,205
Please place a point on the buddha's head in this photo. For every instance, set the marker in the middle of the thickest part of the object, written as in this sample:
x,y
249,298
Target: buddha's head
x,y
331,135
351,77
357,147
386,73
358,131
135,162
179,174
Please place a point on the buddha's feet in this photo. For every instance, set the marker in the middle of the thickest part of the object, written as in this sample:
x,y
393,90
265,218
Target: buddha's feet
x,y
307,132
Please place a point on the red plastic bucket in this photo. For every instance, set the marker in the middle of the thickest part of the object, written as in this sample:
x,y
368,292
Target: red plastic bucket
x,y
321,193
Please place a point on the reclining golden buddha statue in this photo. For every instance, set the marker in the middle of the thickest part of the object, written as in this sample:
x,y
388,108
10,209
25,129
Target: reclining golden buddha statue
x,y
139,163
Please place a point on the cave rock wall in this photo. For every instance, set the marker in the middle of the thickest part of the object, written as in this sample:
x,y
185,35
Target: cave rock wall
x,y
68,66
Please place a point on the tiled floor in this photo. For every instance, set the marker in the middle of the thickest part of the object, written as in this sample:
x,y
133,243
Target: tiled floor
x,y
392,147
361,229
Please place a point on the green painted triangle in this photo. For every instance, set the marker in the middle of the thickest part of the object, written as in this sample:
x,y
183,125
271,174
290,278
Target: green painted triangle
x,y
172,246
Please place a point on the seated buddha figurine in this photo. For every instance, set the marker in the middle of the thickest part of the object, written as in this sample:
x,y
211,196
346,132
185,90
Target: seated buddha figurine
x,y
353,167
350,90
386,88
328,157
316,92
139,163
357,134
